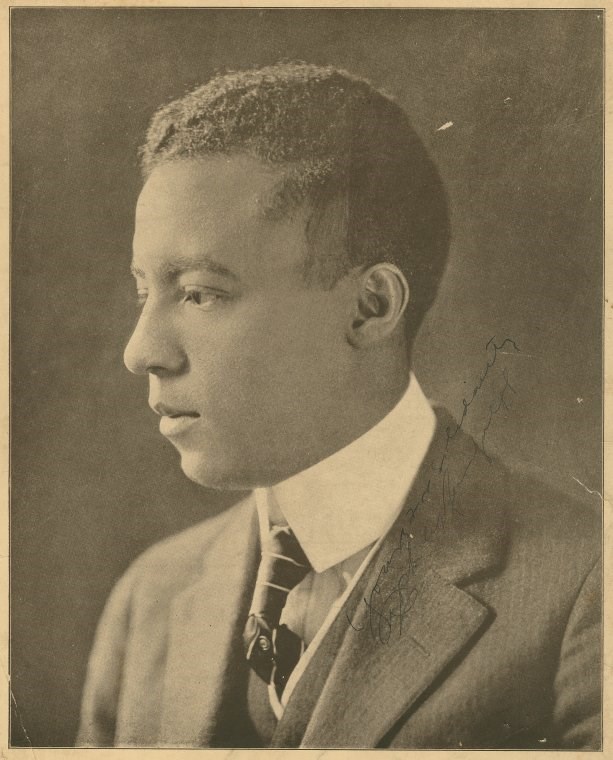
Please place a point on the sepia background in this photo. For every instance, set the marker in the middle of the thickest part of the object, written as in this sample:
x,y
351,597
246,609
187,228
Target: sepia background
x,y
509,104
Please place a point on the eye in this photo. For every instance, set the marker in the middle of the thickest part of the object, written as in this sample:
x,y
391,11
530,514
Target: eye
x,y
202,297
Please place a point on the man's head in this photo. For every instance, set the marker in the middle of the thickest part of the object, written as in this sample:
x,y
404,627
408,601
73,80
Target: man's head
x,y
290,236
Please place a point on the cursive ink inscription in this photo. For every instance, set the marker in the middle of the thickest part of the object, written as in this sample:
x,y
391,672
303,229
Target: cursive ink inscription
x,y
502,401
386,608
492,350
394,592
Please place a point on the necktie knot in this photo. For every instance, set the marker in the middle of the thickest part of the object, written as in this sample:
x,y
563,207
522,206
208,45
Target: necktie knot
x,y
273,650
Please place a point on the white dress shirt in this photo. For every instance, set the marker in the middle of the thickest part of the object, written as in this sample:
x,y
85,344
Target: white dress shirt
x,y
340,509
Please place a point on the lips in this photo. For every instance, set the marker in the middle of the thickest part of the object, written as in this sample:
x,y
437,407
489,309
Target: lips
x,y
165,410
175,425
174,420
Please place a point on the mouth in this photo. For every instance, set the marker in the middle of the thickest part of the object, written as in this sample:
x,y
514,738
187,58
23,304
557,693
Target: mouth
x,y
174,421
175,424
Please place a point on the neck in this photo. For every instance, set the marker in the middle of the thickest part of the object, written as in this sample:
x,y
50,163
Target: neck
x,y
379,382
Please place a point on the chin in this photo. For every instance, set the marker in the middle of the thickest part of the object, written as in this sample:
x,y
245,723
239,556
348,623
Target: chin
x,y
213,473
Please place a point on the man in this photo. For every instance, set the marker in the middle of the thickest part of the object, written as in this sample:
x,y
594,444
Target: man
x,y
384,582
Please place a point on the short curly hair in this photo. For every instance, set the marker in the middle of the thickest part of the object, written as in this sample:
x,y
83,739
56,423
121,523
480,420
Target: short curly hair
x,y
336,137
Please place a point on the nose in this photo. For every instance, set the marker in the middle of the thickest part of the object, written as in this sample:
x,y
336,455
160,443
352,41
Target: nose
x,y
154,346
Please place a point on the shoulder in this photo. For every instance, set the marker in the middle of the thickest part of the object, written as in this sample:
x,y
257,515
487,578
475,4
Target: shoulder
x,y
545,531
533,511
551,520
553,538
176,562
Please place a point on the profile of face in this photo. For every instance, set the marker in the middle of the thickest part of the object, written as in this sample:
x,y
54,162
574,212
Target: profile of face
x,y
249,366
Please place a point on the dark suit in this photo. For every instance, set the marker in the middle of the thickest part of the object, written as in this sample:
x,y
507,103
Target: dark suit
x,y
476,625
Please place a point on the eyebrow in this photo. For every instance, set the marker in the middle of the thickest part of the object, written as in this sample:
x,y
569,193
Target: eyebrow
x,y
182,264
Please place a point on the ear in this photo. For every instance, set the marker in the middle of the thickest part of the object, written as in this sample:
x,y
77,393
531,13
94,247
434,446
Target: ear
x,y
382,298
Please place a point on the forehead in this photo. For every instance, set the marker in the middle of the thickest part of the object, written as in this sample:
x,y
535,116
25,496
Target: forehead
x,y
215,183
215,207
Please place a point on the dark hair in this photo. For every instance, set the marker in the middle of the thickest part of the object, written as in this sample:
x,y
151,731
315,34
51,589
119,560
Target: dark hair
x,y
337,137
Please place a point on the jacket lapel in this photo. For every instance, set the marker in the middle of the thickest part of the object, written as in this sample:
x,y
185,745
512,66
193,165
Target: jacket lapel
x,y
205,633
386,678
408,617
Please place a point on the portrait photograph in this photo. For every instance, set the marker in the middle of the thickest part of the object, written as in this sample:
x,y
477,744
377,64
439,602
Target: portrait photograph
x,y
306,378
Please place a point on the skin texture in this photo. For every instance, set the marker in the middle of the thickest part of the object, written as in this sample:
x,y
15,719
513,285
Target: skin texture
x,y
273,374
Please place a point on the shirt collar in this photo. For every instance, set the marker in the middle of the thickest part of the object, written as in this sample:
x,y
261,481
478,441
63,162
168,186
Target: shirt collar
x,y
350,499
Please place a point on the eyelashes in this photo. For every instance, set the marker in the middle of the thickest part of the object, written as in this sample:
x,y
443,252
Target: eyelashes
x,y
200,297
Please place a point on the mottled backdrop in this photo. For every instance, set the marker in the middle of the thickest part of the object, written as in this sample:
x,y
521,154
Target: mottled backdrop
x,y
509,103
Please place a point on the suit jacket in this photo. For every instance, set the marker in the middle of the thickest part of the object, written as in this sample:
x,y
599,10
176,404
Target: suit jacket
x,y
477,625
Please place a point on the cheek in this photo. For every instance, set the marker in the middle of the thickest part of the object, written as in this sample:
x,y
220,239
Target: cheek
x,y
267,355
295,354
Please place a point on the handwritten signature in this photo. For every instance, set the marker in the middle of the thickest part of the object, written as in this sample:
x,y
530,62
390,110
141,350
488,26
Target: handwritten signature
x,y
388,608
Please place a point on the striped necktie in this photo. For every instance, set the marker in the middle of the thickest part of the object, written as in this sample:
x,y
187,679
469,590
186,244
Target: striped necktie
x,y
273,650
